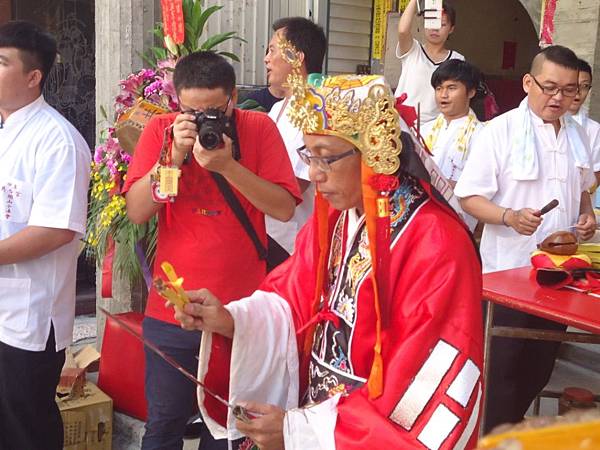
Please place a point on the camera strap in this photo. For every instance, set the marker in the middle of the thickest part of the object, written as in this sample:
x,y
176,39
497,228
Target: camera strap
x,y
241,215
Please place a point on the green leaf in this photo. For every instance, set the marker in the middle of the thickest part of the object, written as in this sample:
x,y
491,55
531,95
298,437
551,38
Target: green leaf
x,y
230,55
148,59
103,112
205,16
217,39
159,32
157,52
187,8
190,36
196,16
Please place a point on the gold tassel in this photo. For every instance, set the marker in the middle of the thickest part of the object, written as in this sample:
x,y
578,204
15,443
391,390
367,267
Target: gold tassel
x,y
375,381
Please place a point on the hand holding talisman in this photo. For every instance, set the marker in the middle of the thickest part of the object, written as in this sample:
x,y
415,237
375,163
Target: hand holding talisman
x,y
171,290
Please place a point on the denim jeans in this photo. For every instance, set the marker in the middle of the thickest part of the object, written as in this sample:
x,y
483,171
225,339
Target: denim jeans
x,y
170,395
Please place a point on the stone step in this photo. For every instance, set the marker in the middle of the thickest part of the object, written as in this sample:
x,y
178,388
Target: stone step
x,y
586,356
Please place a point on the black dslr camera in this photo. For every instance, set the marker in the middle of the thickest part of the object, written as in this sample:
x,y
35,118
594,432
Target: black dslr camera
x,y
212,124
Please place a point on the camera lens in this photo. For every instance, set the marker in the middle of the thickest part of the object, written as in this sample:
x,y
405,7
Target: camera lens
x,y
209,140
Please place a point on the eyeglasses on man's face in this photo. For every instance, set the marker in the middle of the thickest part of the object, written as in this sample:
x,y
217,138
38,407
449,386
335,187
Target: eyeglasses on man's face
x,y
323,163
567,91
222,108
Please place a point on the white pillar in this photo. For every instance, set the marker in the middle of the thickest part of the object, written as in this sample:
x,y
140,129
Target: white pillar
x,y
123,33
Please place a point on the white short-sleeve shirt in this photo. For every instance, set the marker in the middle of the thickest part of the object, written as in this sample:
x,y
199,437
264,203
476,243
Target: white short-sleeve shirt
x,y
592,129
44,179
415,79
446,152
284,233
488,173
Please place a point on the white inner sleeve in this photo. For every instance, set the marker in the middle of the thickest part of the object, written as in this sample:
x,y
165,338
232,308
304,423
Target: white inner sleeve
x,y
311,428
264,358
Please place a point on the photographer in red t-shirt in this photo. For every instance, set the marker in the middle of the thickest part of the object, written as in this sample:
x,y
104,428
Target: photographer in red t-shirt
x,y
198,233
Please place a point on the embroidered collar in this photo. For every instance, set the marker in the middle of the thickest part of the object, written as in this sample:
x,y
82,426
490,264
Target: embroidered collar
x,y
466,124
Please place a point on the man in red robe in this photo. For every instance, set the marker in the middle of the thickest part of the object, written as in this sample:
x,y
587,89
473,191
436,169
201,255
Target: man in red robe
x,y
370,335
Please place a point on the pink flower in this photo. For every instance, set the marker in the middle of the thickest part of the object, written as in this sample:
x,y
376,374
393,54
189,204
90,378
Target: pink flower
x,y
167,63
124,101
99,154
168,88
112,167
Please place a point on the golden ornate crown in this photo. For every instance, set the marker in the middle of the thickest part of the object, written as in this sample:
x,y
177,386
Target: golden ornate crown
x,y
359,109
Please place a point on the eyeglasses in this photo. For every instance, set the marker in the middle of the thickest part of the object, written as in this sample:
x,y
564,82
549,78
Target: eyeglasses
x,y
223,108
585,87
569,91
323,163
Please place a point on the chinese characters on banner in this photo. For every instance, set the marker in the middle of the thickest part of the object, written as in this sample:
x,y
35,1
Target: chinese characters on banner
x,y
172,12
547,28
380,10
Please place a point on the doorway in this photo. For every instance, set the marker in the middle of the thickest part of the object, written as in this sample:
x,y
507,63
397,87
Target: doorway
x,y
501,39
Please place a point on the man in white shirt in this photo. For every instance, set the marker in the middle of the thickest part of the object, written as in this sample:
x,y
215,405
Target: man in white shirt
x,y
308,44
580,114
44,179
521,161
449,136
419,61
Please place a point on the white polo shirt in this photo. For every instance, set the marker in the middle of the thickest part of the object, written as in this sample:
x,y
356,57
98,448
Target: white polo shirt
x,y
44,179
284,233
415,79
488,173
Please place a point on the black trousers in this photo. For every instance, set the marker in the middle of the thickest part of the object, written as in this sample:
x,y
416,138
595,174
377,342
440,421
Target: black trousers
x,y
29,416
519,368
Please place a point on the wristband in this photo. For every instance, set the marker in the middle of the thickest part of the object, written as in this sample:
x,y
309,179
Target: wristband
x,y
504,217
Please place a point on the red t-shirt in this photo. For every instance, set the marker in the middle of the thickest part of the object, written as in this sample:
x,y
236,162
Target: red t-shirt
x,y
203,240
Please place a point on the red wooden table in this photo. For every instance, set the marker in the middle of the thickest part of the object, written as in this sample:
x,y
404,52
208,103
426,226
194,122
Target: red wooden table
x,y
515,289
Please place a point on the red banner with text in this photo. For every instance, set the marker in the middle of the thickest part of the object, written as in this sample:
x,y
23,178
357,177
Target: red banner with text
x,y
174,26
547,25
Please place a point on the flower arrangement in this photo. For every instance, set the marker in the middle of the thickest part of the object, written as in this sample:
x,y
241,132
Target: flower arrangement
x,y
154,85
107,219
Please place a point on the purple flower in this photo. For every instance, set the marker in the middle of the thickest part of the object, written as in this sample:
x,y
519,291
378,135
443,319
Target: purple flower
x,y
147,74
125,157
153,88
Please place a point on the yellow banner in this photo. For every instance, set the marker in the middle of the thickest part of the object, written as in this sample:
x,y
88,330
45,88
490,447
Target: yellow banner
x,y
380,10
403,4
